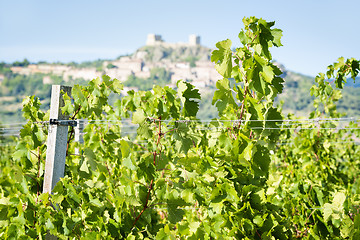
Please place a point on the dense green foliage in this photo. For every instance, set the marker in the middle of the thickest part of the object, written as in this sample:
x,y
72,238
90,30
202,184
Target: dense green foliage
x,y
315,170
247,174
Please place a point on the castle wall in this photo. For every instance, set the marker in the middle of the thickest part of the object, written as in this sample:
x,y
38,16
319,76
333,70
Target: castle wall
x,y
134,65
120,74
156,40
153,39
85,73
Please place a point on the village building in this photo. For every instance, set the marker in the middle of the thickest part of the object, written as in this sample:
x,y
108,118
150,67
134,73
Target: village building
x,y
201,72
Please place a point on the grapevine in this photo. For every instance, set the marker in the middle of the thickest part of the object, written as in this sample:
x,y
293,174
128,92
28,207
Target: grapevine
x,y
244,175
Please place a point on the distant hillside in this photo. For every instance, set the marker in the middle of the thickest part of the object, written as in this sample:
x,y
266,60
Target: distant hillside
x,y
296,94
161,64
297,100
352,83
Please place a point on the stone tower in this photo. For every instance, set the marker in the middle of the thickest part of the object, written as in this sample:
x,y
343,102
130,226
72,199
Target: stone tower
x,y
153,39
194,40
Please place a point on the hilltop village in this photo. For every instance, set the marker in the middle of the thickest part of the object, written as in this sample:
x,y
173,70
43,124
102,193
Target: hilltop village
x,y
188,61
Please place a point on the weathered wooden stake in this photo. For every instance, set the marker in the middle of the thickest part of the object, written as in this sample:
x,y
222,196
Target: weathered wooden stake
x,y
57,140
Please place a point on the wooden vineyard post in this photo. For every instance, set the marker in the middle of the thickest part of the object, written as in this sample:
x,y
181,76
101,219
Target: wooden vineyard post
x,y
57,139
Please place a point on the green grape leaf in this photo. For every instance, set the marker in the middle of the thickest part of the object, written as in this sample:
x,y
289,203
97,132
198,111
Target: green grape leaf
x,y
117,86
340,80
257,107
223,58
182,142
258,220
278,84
175,214
164,234
49,224
188,196
138,116
261,60
125,148
189,97
244,39
129,163
328,90
223,96
262,159
277,34
339,199
327,211
91,158
79,97
193,226
256,81
68,108
84,167
267,73
273,117
144,130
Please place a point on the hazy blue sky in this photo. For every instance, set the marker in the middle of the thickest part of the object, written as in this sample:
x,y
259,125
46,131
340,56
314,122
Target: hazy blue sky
x,y
315,32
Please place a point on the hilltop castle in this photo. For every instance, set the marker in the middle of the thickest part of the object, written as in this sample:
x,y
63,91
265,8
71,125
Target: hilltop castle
x,y
156,40
202,73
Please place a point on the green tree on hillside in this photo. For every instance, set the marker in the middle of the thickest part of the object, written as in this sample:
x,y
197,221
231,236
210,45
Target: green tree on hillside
x,y
24,63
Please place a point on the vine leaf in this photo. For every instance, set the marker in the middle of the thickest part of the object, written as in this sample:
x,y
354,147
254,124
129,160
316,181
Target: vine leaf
x,y
244,39
190,97
223,95
268,73
277,34
175,214
223,58
138,116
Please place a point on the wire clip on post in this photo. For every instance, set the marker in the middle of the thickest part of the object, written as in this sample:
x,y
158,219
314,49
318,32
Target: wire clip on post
x,y
71,123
